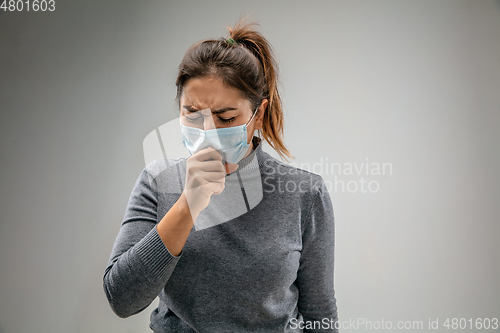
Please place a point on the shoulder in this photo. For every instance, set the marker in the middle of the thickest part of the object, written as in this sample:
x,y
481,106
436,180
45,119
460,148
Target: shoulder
x,y
158,167
165,174
303,188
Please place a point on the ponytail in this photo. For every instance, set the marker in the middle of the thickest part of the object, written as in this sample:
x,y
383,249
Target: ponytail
x,y
272,128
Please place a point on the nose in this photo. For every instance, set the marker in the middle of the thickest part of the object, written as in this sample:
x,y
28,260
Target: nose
x,y
208,122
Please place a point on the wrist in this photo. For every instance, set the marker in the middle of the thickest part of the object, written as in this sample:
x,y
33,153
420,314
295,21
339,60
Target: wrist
x,y
185,209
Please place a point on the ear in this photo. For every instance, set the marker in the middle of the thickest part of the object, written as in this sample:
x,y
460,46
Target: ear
x,y
259,117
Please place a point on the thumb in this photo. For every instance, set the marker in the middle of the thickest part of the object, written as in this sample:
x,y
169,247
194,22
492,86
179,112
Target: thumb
x,y
231,167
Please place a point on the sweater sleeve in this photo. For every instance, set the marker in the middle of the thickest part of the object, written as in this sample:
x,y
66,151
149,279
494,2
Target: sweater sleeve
x,y
315,281
140,263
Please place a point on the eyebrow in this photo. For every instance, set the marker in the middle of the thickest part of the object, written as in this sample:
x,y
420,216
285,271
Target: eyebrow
x,y
215,111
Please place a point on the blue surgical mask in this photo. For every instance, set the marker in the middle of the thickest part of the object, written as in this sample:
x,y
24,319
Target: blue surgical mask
x,y
231,142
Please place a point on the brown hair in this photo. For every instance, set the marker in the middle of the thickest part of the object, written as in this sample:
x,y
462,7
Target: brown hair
x,y
247,65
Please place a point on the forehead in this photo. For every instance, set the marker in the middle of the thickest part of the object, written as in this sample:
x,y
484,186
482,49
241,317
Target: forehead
x,y
210,92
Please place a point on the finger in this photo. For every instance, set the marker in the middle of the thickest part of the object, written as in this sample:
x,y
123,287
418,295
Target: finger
x,y
217,188
208,153
231,167
210,188
219,177
208,166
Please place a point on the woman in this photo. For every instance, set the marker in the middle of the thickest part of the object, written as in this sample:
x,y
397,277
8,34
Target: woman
x,y
258,260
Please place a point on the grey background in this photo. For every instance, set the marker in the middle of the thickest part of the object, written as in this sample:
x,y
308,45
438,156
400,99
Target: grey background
x,y
411,83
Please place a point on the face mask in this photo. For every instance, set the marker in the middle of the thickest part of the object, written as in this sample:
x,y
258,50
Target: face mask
x,y
231,142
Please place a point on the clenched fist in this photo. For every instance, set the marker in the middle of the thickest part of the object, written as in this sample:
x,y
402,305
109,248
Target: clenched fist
x,y
205,175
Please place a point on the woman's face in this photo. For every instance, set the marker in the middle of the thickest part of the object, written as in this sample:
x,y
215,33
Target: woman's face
x,y
207,103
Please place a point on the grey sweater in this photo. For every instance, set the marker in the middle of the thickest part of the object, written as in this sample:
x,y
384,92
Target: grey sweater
x,y
259,258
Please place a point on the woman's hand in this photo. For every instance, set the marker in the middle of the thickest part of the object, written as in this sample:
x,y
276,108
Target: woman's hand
x,y
205,175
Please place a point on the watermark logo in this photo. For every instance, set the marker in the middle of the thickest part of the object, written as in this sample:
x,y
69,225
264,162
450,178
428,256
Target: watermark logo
x,y
350,177
360,177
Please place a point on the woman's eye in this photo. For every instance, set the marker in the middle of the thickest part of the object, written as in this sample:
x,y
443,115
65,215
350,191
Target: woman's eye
x,y
193,119
226,120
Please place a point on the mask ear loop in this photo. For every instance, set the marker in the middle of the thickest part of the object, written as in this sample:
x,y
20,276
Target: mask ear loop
x,y
253,115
